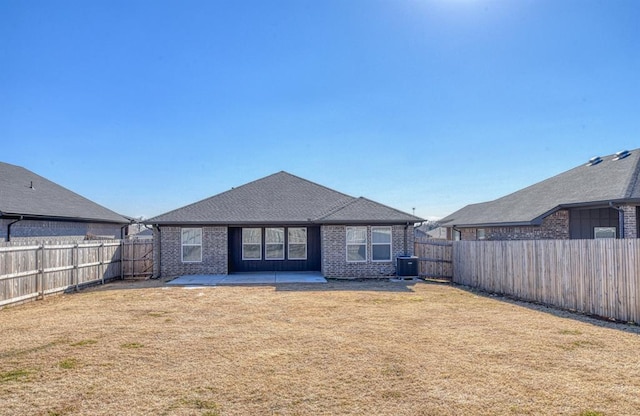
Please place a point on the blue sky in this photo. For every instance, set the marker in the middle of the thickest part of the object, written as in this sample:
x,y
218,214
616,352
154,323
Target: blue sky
x,y
146,106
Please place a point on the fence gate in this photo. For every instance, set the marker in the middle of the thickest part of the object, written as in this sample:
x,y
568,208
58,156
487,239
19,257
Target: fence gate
x,y
434,258
137,258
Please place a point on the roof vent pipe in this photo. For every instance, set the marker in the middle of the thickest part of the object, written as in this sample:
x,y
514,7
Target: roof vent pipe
x,y
622,155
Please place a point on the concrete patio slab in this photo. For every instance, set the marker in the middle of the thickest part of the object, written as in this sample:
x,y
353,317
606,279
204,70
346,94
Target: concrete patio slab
x,y
258,278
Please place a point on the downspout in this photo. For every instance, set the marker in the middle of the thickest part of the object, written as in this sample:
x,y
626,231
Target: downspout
x,y
9,227
406,239
159,259
453,227
620,218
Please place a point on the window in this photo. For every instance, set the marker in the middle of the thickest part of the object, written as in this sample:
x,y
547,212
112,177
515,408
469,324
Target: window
x,y
274,244
297,243
191,245
381,243
604,232
480,234
251,244
357,244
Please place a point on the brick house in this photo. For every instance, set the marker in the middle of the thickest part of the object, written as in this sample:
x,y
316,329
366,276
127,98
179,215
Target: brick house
x,y
35,208
282,223
598,199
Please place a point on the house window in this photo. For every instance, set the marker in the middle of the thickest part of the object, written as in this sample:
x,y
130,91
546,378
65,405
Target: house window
x,y
480,234
297,243
274,243
381,243
356,244
191,245
604,232
251,244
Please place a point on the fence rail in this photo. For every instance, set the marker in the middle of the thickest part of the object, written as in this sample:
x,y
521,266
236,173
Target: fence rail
x,y
599,277
33,270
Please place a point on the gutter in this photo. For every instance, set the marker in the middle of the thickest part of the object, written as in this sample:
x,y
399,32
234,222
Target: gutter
x,y
620,218
9,227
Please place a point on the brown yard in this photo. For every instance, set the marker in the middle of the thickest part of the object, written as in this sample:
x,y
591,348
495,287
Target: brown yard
x,y
345,348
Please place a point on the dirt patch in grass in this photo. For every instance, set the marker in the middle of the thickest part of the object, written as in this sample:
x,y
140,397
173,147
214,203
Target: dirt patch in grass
x,y
347,348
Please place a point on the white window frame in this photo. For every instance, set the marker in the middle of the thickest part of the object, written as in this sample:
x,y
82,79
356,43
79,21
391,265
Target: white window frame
x,y
390,244
183,245
267,243
597,230
252,244
481,234
356,244
289,243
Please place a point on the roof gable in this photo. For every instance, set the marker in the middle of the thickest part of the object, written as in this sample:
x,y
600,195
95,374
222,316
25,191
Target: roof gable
x,y
25,193
610,180
277,198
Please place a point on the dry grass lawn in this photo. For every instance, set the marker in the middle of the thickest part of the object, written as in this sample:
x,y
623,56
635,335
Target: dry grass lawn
x,y
344,348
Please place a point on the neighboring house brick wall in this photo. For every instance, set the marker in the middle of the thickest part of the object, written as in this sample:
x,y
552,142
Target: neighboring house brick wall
x,y
630,221
57,230
168,248
553,227
334,253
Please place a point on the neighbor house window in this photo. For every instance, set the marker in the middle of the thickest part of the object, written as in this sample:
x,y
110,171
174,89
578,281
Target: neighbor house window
x,y
480,234
191,245
604,232
297,243
251,244
274,243
381,243
356,244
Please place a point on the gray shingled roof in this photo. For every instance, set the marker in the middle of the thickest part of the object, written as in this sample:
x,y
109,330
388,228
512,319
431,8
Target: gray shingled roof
x,y
46,199
608,181
283,198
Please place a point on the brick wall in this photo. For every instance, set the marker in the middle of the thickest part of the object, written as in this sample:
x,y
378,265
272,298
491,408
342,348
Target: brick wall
x,y
57,230
553,227
334,253
168,248
630,221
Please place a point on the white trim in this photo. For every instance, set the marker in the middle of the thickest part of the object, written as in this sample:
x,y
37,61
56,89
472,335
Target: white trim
x,y
306,243
347,244
183,245
266,243
253,244
390,244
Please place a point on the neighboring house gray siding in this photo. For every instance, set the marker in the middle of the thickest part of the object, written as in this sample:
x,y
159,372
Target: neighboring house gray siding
x,y
214,252
57,230
334,255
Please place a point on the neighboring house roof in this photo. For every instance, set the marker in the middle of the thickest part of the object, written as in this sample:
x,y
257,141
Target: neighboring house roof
x,y
283,198
23,193
612,179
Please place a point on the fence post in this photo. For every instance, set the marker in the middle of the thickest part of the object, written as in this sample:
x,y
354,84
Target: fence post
x,y
40,266
74,262
101,265
121,259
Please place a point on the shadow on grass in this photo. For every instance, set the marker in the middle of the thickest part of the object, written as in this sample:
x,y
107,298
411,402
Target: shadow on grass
x,y
553,310
351,285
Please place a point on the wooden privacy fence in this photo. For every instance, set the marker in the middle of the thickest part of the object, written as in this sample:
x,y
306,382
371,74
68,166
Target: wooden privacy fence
x,y
599,277
434,258
33,270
